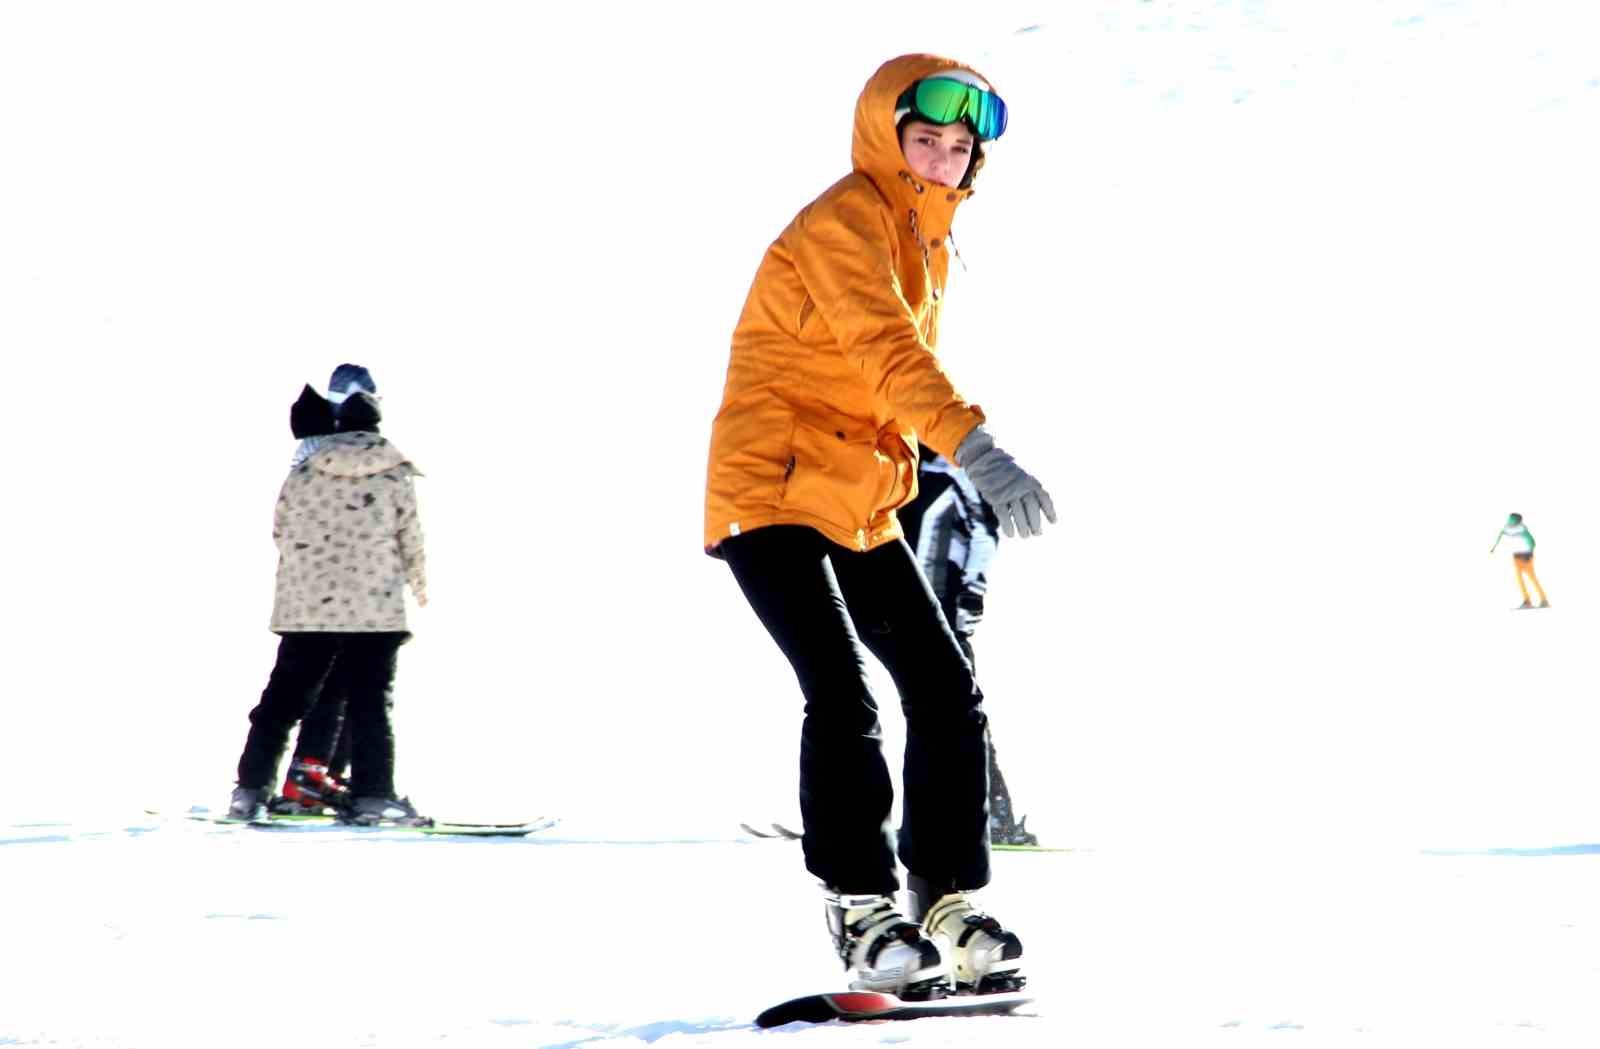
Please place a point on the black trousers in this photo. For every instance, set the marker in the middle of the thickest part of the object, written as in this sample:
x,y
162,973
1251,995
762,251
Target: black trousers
x,y
324,732
822,603
367,664
1002,816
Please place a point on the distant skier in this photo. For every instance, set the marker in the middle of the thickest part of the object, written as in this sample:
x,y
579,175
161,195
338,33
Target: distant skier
x,y
831,381
955,534
1522,560
349,542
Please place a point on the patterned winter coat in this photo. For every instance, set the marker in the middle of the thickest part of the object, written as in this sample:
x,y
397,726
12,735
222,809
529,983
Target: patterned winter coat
x,y
832,377
349,539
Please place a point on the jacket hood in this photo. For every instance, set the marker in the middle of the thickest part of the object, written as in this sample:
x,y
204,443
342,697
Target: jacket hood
x,y
311,415
875,144
358,455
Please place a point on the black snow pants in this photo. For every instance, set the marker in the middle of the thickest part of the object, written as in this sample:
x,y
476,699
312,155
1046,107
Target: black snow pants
x,y
324,732
821,603
305,661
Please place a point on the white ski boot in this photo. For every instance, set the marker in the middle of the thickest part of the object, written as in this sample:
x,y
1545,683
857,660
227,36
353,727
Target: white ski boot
x,y
984,957
882,950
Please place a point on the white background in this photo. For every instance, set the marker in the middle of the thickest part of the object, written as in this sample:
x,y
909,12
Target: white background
x,y
1289,304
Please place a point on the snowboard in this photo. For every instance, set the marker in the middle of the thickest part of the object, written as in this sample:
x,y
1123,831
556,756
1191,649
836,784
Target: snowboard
x,y
857,1006
316,822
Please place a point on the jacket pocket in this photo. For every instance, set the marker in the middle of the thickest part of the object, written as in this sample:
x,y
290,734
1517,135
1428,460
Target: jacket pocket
x,y
835,474
898,452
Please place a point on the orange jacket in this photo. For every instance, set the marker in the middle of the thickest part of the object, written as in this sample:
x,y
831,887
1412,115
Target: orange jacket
x,y
832,377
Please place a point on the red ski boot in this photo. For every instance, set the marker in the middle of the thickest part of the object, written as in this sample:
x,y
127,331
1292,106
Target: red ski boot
x,y
309,789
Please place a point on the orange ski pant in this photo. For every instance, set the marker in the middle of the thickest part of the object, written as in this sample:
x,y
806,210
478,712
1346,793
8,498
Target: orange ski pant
x,y
1524,566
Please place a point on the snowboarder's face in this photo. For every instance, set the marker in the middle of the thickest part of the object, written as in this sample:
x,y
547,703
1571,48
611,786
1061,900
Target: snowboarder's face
x,y
938,153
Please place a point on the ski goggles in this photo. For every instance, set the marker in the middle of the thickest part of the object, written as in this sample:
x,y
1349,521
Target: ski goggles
x,y
942,100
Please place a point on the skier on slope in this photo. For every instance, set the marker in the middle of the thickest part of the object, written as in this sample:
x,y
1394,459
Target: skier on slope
x,y
955,534
349,542
1522,560
319,768
831,382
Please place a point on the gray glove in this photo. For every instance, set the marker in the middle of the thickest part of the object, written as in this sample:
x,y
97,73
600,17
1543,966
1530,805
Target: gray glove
x,y
1019,500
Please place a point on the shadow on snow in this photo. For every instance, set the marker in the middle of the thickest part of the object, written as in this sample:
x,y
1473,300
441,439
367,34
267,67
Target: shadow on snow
x,y
1592,849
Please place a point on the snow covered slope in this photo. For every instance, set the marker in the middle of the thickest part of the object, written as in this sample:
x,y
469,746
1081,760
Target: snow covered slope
x,y
163,935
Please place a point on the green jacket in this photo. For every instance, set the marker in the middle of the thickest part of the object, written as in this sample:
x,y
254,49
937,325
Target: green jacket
x,y
1517,533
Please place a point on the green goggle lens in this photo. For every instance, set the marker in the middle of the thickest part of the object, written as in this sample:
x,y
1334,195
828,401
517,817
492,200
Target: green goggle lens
x,y
941,100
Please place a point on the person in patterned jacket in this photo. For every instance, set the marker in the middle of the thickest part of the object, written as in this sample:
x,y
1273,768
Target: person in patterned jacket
x,y
349,543
319,768
955,534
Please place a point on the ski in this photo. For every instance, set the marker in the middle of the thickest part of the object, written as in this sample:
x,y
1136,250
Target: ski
x,y
756,833
856,1006
289,823
785,832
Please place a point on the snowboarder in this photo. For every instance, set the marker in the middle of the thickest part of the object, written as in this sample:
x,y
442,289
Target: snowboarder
x,y
955,534
349,542
1522,560
831,382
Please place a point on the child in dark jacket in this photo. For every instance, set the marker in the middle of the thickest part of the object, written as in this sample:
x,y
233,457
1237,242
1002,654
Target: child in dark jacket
x,y
954,535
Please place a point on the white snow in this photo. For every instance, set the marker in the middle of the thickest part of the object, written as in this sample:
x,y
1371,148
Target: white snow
x,y
152,933
1288,303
